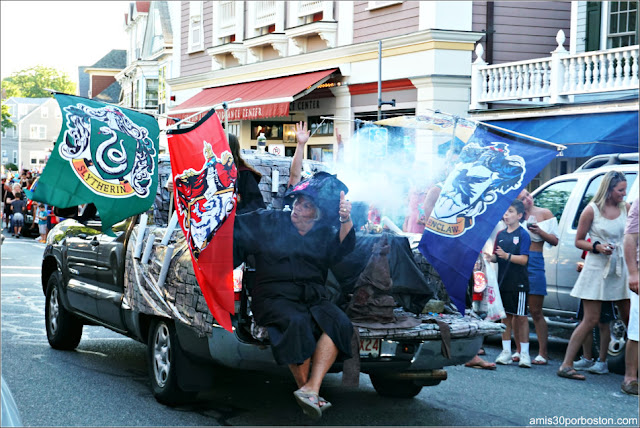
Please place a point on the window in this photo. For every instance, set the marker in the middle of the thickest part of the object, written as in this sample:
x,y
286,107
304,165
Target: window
x,y
13,132
37,157
318,127
162,89
380,4
592,188
195,26
37,132
15,157
44,112
23,110
271,130
4,155
151,94
623,24
320,153
555,197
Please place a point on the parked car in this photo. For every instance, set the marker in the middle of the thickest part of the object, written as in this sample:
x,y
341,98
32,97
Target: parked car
x,y
567,196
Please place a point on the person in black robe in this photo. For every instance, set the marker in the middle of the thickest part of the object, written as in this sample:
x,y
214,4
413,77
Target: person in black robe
x,y
293,252
249,195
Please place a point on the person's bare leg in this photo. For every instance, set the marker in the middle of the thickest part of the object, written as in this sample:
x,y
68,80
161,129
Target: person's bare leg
x,y
605,339
590,319
515,327
323,357
587,346
539,323
300,372
506,334
624,306
631,361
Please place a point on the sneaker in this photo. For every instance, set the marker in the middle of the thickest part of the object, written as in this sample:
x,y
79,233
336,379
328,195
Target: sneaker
x,y
599,367
583,364
525,360
504,357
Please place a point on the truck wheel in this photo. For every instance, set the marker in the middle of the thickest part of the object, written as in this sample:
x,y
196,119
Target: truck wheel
x,y
64,330
163,362
398,388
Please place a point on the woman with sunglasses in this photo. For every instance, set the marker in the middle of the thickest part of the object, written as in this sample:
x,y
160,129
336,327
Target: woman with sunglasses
x,y
604,275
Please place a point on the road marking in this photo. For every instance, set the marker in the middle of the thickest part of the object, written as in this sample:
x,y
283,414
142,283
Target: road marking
x,y
21,275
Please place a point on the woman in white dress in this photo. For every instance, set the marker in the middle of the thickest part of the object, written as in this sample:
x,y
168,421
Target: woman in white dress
x,y
604,276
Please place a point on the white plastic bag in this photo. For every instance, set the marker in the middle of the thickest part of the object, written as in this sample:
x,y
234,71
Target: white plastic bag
x,y
495,309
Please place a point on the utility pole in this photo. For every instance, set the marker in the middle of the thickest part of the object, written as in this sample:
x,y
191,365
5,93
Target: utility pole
x,y
380,102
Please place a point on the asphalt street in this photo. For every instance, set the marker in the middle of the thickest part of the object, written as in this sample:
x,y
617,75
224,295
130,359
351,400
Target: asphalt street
x,y
104,382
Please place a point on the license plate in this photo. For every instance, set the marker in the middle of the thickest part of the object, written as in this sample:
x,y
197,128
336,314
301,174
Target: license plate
x,y
369,347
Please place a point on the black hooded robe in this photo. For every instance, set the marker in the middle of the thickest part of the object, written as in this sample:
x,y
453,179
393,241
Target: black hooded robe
x,y
289,296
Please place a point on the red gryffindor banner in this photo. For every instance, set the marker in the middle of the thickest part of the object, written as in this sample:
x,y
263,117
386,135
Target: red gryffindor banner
x,y
204,176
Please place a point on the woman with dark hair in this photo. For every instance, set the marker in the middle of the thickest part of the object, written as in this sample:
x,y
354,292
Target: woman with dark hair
x,y
249,196
604,275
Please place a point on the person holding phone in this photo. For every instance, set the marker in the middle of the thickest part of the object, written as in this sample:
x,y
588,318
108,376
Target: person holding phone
x,y
542,226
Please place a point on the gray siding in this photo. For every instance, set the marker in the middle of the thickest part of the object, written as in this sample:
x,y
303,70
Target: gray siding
x,y
386,22
197,62
523,30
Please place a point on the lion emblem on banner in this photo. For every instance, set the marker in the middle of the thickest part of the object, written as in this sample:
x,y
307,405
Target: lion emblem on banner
x,y
482,172
205,198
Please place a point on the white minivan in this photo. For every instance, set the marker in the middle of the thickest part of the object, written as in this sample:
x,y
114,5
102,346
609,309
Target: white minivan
x,y
566,196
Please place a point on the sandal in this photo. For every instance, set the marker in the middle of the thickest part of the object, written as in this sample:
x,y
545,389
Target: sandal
x,y
309,402
570,373
324,407
515,357
539,361
481,351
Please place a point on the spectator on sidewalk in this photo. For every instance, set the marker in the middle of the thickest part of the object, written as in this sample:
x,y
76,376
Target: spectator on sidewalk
x,y
512,255
18,207
631,256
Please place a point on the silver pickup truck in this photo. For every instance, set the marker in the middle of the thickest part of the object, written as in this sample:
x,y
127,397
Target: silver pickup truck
x,y
567,196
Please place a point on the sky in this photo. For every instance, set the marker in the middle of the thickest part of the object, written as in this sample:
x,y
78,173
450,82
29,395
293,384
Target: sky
x,y
59,34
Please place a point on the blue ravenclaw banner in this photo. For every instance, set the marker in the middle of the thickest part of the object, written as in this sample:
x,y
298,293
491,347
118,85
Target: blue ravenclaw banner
x,y
491,170
105,155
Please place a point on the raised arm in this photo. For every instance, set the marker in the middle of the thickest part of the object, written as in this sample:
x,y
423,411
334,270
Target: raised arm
x,y
302,136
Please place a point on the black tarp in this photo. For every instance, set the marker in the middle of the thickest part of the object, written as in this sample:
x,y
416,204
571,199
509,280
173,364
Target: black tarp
x,y
410,289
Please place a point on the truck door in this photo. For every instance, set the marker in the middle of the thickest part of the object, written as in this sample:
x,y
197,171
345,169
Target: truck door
x,y
110,268
81,264
555,197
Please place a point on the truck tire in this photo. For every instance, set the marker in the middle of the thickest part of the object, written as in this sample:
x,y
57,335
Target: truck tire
x,y
64,330
617,346
387,386
163,355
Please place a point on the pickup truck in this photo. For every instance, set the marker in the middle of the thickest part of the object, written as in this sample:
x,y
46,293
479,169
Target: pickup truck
x,y
566,196
93,279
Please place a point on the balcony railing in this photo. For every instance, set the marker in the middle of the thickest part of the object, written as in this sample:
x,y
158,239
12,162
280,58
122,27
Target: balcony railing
x,y
307,8
555,78
226,18
265,13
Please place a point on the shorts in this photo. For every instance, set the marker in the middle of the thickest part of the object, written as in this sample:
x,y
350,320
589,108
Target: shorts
x,y
607,312
18,220
43,229
537,277
632,331
515,302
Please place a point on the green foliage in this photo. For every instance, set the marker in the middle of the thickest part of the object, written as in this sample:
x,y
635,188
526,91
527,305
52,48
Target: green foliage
x,y
6,121
31,82
10,166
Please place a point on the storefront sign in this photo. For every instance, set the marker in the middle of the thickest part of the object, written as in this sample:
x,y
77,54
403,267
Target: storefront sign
x,y
256,112
305,105
276,149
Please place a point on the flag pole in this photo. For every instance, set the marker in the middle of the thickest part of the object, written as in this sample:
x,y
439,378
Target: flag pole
x,y
203,110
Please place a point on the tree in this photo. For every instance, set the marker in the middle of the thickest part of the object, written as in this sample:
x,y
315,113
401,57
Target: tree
x,y
31,82
6,118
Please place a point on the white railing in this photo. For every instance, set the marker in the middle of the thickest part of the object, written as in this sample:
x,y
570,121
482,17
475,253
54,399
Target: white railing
x,y
265,13
555,78
226,18
307,8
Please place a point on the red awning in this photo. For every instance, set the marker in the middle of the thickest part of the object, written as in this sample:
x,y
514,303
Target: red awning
x,y
259,99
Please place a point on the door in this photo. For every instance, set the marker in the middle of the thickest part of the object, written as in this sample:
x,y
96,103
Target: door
x,y
82,250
